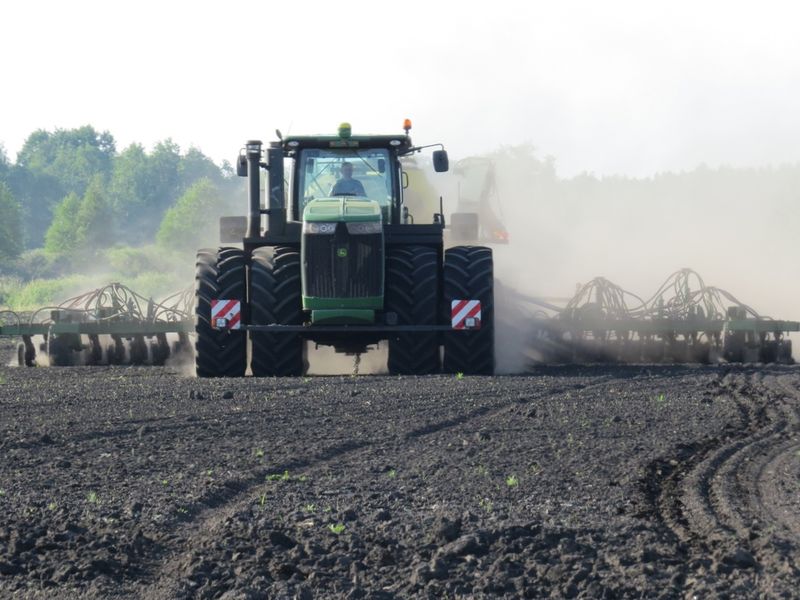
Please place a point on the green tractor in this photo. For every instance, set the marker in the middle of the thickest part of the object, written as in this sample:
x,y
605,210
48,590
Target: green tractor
x,y
339,264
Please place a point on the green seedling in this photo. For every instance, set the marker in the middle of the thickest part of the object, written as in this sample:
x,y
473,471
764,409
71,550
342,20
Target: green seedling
x,y
210,472
91,497
512,481
483,470
279,476
661,398
459,376
486,505
259,452
165,482
2,493
2,380
392,473
310,508
337,529
52,506
302,478
262,500
183,511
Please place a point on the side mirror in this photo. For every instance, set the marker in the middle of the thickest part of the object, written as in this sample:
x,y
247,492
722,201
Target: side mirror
x,y
441,163
241,166
381,166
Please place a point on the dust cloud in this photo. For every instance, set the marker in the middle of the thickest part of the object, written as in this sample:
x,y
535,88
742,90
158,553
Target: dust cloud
x,y
735,227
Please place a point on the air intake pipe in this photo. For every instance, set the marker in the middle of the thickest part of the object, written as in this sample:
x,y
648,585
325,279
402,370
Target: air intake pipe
x,y
253,153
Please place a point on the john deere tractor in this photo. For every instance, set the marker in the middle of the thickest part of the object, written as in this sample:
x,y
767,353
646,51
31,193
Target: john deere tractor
x,y
339,264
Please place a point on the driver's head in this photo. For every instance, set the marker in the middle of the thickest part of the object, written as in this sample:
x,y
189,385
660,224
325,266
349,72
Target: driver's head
x,y
347,170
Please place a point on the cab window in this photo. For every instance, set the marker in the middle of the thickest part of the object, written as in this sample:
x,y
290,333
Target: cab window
x,y
331,173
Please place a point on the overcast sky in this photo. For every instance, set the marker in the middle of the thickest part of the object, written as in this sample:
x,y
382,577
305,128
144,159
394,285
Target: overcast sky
x,y
606,87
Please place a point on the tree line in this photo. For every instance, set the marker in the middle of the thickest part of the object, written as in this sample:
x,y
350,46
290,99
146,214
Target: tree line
x,y
71,192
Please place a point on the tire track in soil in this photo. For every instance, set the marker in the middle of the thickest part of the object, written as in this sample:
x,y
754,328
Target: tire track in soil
x,y
212,512
720,497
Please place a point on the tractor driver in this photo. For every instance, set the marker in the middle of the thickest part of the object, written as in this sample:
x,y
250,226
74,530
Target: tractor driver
x,y
347,186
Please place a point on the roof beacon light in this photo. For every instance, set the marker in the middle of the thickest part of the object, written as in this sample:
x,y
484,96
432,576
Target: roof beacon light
x,y
407,125
344,130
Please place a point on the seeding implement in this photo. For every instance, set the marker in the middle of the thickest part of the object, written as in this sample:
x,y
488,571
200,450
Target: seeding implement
x,y
109,325
684,321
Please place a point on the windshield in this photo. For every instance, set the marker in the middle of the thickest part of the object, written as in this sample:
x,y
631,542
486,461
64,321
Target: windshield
x,y
363,173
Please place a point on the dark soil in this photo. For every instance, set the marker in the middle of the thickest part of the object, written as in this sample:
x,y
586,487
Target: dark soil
x,y
594,482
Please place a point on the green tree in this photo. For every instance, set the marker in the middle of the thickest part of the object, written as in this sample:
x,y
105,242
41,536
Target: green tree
x,y
72,156
194,166
52,165
62,235
10,224
193,219
95,220
143,187
5,166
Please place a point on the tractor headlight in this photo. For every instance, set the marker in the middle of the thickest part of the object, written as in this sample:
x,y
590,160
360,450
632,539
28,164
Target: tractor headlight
x,y
364,228
321,228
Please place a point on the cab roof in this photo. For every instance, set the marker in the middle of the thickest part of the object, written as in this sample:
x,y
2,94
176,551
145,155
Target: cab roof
x,y
400,143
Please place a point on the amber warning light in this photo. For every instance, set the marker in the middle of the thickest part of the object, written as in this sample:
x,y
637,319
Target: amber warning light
x,y
407,125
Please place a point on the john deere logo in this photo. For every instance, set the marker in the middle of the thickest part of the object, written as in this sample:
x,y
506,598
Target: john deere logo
x,y
341,252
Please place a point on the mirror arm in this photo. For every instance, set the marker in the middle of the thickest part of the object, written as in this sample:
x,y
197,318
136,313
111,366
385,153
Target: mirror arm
x,y
420,148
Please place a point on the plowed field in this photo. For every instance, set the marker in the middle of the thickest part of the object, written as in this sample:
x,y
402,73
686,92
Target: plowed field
x,y
596,482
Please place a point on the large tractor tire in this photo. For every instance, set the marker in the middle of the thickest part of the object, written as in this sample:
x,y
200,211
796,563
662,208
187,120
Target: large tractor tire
x,y
275,298
412,292
220,274
469,275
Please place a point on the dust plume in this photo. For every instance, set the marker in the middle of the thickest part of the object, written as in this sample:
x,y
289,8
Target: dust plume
x,y
735,226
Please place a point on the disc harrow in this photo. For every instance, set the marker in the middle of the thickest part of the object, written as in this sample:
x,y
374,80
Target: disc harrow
x,y
109,325
685,321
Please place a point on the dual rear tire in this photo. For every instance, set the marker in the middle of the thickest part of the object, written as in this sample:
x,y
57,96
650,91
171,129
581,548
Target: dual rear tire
x,y
469,275
413,292
220,274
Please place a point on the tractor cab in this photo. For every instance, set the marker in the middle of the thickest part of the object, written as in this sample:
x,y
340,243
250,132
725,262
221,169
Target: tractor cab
x,y
331,168
329,175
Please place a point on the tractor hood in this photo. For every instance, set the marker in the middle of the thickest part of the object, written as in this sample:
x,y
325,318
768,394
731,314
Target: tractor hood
x,y
345,209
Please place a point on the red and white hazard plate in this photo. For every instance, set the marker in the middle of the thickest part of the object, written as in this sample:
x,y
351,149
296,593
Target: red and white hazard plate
x,y
465,314
226,314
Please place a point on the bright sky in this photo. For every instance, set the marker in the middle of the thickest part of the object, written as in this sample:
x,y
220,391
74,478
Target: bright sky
x,y
606,87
